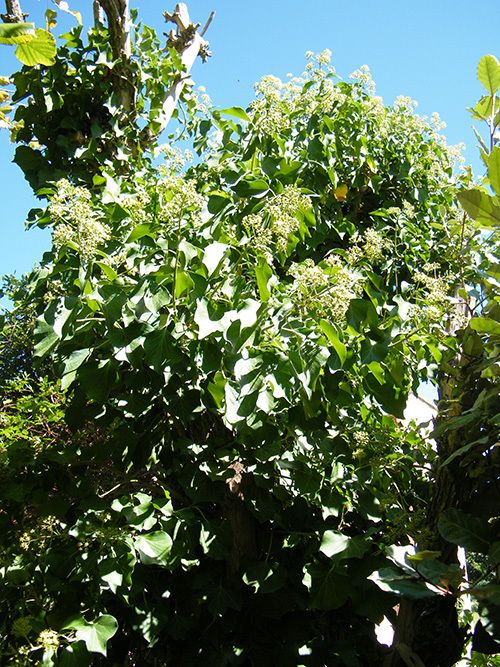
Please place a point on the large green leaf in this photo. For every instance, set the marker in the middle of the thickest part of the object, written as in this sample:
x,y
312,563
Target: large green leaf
x,y
464,529
41,50
480,206
393,581
263,274
485,325
17,33
488,73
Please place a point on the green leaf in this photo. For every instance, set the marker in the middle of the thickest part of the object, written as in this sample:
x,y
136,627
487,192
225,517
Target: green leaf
x,y
50,325
263,273
237,112
493,164
329,589
485,325
183,283
154,548
254,188
41,50
464,529
71,365
95,635
331,333
217,200
139,231
494,553
488,73
393,581
480,206
212,257
482,110
17,33
334,543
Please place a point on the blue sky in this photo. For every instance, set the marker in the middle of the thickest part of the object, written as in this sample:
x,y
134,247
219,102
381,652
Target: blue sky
x,y
427,49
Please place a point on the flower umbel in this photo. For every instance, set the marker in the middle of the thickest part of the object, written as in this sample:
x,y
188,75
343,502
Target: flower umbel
x,y
76,221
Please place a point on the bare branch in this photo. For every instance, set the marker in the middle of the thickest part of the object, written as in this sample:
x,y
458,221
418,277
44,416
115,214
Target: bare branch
x,y
207,24
188,41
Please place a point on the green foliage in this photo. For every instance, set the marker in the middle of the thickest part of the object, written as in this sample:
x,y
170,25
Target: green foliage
x,y
472,430
236,343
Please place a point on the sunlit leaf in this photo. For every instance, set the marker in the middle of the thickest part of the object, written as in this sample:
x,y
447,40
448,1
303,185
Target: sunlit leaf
x,y
17,33
488,73
41,50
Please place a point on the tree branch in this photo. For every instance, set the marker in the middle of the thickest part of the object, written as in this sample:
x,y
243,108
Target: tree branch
x,y
189,42
117,14
14,12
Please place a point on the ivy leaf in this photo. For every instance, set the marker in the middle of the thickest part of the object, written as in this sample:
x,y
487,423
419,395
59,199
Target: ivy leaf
x,y
71,365
214,252
154,547
393,581
488,73
334,543
41,50
96,634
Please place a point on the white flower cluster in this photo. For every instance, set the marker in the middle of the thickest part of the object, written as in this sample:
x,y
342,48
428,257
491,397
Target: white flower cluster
x,y
405,103
364,77
324,293
136,204
179,199
278,103
277,220
175,159
437,293
76,221
408,210
370,245
48,639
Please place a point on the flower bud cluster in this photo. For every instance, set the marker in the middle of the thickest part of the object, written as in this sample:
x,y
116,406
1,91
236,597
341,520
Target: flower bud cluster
x,y
76,221
277,220
324,293
363,77
370,245
179,199
48,639
136,204
278,102
437,294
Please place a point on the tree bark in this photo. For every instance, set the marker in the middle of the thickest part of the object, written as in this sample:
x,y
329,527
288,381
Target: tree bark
x,y
118,17
14,12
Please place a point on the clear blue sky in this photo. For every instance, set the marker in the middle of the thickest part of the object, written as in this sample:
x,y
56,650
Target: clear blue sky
x,y
427,49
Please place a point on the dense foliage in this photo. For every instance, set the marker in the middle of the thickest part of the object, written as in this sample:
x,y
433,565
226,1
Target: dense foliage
x,y
217,470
